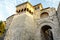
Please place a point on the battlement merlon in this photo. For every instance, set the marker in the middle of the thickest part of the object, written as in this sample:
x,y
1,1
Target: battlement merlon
x,y
38,6
25,6
28,6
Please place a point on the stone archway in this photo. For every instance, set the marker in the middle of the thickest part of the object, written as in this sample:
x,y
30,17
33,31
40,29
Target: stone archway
x,y
46,32
44,15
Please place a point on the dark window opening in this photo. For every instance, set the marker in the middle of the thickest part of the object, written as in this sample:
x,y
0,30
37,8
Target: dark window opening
x,y
22,10
25,9
18,11
29,11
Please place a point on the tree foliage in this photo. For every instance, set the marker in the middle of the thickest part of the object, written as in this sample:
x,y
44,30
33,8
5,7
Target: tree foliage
x,y
2,28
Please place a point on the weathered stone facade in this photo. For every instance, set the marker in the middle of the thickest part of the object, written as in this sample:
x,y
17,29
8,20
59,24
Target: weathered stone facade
x,y
33,23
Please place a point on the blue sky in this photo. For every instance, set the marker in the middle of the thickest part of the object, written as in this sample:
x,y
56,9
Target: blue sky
x,y
8,7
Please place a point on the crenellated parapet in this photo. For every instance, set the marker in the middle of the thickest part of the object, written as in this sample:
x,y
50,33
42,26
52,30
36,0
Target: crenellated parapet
x,y
38,6
27,7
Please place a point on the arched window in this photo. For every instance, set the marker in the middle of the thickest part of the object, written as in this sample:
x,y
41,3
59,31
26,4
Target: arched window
x,y
29,11
25,9
46,33
22,10
18,11
44,15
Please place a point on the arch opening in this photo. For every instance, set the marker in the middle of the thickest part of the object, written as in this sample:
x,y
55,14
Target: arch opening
x,y
44,15
46,33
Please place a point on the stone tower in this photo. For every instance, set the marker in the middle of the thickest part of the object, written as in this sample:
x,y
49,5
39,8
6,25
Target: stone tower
x,y
32,23
58,13
58,16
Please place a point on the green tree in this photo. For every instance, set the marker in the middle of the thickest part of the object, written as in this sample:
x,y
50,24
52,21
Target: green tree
x,y
2,28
